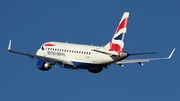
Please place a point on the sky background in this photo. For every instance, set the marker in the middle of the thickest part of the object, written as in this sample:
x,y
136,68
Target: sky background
x,y
154,25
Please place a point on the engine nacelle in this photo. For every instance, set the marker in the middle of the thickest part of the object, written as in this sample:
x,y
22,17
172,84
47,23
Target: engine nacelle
x,y
95,70
43,65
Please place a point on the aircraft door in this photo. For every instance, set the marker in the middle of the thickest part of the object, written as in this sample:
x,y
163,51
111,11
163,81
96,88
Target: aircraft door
x,y
94,56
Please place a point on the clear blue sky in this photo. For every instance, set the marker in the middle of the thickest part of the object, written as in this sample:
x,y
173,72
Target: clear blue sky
x,y
154,25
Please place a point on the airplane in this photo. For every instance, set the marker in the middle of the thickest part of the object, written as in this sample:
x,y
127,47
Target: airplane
x,y
87,57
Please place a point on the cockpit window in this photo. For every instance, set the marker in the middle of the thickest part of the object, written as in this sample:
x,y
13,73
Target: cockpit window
x,y
42,47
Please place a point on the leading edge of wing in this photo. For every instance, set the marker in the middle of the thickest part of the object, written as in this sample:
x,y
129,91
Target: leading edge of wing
x,y
32,56
21,53
144,60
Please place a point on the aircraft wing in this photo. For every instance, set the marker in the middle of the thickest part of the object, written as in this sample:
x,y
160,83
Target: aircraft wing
x,y
32,56
140,61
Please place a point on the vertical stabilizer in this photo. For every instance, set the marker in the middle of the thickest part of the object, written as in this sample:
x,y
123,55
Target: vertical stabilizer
x,y
117,42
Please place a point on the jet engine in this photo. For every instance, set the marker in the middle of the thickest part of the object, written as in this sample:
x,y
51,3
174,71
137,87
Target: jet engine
x,y
43,65
95,70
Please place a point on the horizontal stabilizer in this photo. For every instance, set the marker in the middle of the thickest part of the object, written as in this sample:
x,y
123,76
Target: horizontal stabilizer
x,y
142,53
103,52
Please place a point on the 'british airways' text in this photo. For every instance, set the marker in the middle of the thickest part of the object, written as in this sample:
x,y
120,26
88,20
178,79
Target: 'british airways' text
x,y
55,53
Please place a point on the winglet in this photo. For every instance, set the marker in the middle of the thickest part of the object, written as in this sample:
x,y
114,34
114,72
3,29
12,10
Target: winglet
x,y
171,53
9,46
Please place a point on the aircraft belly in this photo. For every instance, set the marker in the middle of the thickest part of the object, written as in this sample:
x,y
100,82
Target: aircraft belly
x,y
83,65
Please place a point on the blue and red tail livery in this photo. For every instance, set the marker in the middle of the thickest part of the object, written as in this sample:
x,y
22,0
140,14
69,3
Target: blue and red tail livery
x,y
122,24
117,42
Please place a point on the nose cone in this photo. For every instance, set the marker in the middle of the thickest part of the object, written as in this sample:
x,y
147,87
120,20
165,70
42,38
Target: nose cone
x,y
124,54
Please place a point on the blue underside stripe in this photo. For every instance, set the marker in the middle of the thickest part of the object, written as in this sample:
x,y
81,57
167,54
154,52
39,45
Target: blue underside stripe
x,y
86,65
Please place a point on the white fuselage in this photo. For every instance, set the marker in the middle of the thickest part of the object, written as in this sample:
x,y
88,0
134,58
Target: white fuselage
x,y
77,56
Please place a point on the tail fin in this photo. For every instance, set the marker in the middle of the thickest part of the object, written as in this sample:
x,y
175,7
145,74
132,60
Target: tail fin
x,y
117,42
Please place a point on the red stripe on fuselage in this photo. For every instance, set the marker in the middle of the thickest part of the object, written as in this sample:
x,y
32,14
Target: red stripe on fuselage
x,y
48,44
123,24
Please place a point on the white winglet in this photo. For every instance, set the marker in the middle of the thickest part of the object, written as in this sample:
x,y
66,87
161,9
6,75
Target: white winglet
x,y
171,53
9,46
